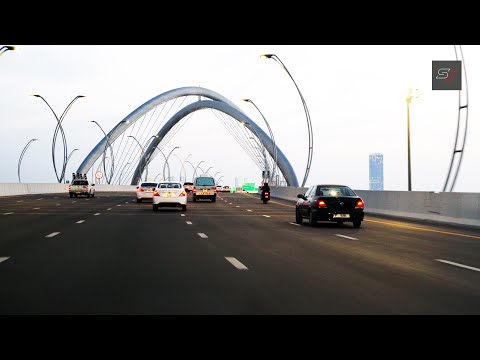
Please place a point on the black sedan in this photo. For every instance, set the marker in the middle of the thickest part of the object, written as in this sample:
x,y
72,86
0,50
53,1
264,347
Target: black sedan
x,y
336,203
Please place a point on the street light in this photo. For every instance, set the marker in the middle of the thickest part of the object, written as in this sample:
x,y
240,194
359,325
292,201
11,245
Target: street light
x,y
195,170
166,161
307,114
68,158
4,49
271,136
57,128
121,172
411,95
182,166
206,172
215,174
21,157
218,181
143,153
265,164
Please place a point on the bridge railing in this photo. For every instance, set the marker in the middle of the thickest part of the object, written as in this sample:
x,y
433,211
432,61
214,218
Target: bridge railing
x,y
7,189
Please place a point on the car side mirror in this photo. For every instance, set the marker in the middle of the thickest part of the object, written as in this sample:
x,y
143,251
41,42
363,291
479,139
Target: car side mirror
x,y
301,196
137,187
93,184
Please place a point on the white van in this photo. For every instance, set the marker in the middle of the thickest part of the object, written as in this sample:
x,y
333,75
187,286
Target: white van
x,y
204,188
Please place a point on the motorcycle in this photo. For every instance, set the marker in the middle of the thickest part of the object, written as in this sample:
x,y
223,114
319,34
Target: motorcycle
x,y
265,197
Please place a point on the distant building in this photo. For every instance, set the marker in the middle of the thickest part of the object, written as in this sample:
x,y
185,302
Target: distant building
x,y
376,171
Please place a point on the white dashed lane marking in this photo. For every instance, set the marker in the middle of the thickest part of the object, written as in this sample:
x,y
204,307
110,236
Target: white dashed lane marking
x,y
58,204
236,263
36,208
2,259
249,210
230,203
237,206
266,215
52,234
109,209
19,200
40,199
459,265
346,237
202,235
182,214
119,205
74,201
8,213
80,221
96,214
189,222
295,224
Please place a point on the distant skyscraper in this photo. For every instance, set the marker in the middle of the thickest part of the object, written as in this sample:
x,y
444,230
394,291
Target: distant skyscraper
x,y
376,172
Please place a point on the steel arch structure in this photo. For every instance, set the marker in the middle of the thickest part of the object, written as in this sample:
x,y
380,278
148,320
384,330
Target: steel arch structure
x,y
216,102
283,163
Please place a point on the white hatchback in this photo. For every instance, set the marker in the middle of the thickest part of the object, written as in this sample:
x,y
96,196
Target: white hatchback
x,y
145,191
169,194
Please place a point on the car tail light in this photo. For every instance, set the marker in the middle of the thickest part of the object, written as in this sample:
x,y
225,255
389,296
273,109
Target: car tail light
x,y
85,187
216,190
360,204
321,204
140,190
183,193
194,189
68,187
266,193
155,193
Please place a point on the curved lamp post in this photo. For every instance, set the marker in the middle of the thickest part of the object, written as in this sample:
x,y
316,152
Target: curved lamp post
x,y
183,166
57,128
411,94
218,181
143,153
271,136
166,161
307,114
4,49
195,170
216,174
21,157
206,172
262,150
121,172
68,158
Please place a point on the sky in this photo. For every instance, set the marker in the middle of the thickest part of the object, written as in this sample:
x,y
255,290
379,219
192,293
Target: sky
x,y
355,96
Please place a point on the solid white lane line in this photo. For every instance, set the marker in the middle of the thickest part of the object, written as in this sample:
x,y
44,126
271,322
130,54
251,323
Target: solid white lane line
x,y
52,234
4,258
295,224
266,215
8,213
189,222
96,214
346,237
236,263
249,210
80,221
202,235
182,214
460,265
109,209
36,208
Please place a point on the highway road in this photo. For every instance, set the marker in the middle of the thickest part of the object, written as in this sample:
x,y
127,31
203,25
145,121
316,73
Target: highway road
x,y
111,255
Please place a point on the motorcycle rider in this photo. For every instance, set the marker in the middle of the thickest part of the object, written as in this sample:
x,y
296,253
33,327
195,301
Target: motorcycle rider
x,y
265,188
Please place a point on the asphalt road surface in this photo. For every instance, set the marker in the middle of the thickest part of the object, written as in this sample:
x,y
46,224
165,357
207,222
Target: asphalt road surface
x,y
111,255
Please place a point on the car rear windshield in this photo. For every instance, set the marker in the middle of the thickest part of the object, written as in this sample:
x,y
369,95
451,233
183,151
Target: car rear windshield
x,y
205,181
335,191
149,185
187,183
169,186
80,182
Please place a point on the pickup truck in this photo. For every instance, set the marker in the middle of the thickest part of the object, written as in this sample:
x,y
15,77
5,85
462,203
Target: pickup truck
x,y
81,187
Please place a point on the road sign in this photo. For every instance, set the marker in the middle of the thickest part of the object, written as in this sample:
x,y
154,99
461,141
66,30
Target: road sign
x,y
98,175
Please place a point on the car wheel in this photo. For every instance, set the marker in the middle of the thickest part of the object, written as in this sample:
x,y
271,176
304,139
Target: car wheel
x,y
214,199
93,194
194,198
357,223
75,195
71,195
184,207
298,217
139,200
311,219
88,195
155,207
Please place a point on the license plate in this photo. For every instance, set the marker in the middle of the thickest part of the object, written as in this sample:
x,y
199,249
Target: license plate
x,y
148,190
168,195
341,216
205,191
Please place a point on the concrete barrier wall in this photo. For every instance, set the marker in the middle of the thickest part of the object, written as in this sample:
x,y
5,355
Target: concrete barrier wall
x,y
448,207
24,189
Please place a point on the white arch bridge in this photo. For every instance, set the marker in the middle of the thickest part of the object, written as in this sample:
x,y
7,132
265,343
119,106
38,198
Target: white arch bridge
x,y
148,125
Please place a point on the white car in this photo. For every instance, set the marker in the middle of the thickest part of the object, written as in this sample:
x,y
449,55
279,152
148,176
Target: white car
x,y
145,191
169,194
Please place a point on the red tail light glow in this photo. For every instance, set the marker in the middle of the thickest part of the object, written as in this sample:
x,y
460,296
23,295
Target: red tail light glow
x,y
360,204
140,190
266,193
321,204
155,193
183,193
85,186
194,189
